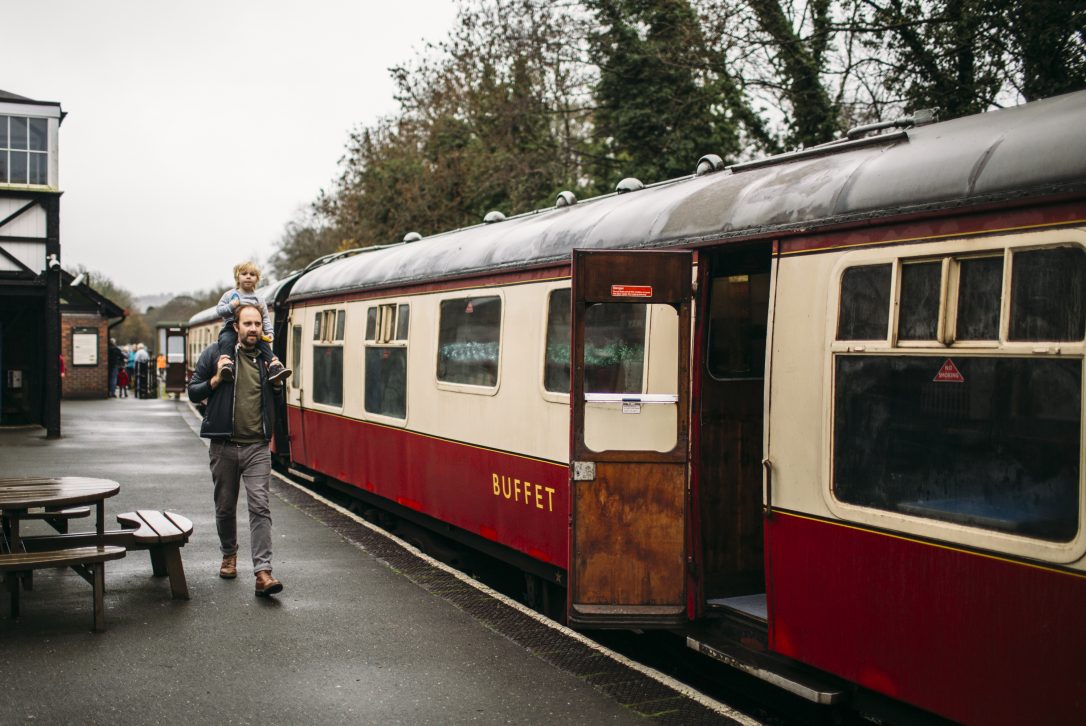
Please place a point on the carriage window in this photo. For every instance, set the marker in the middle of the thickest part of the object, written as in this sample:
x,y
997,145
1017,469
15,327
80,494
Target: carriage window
x,y
989,442
865,303
371,324
980,289
328,374
296,355
341,319
614,348
920,298
328,326
328,357
469,335
386,381
1048,295
386,360
556,364
403,318
737,325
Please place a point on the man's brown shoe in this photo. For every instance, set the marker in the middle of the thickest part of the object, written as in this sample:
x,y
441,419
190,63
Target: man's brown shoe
x,y
228,570
266,584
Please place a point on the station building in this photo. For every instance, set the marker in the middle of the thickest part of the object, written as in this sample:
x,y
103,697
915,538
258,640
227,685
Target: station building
x,y
86,318
30,272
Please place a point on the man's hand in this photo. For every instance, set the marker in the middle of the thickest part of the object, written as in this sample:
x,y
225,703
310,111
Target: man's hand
x,y
217,379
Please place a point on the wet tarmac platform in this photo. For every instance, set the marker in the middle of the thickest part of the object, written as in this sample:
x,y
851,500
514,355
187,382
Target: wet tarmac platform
x,y
367,630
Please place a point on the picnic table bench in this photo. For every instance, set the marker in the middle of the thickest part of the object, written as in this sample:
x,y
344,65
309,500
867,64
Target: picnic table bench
x,y
87,561
162,534
56,517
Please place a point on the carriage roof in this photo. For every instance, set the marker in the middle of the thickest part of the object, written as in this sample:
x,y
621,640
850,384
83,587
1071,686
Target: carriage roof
x,y
1027,150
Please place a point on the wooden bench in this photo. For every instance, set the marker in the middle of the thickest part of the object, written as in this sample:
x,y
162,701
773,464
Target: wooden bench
x,y
57,518
89,562
162,534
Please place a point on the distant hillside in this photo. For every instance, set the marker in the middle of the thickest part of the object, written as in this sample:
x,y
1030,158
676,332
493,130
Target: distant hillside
x,y
152,301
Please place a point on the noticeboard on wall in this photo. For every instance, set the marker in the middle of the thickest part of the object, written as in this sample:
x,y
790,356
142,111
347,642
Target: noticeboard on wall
x,y
84,346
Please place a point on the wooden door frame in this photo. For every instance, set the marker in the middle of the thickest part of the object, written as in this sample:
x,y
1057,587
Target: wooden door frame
x,y
671,276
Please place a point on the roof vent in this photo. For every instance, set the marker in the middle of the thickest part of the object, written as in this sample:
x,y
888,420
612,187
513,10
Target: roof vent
x,y
708,164
629,184
412,237
922,117
493,216
565,199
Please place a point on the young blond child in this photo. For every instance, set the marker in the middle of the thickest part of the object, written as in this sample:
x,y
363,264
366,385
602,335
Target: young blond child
x,y
246,275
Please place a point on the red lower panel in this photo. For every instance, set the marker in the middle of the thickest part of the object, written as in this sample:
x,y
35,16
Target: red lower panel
x,y
519,502
973,638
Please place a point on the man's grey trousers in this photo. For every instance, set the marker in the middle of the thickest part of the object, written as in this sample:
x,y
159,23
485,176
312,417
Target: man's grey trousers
x,y
232,464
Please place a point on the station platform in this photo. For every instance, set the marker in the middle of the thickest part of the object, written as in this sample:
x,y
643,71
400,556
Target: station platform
x,y
367,630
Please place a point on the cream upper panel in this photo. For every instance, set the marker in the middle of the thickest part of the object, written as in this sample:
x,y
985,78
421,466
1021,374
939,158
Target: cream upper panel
x,y
513,415
794,417
800,419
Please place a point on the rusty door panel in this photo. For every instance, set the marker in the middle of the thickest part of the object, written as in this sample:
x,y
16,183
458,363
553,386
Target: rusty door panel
x,y
630,532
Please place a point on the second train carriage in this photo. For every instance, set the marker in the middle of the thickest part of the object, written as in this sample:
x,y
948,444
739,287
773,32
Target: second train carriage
x,y
830,400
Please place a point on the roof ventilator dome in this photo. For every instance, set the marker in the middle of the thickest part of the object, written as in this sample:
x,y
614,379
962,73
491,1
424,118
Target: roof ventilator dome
x,y
493,216
565,199
411,237
629,184
708,164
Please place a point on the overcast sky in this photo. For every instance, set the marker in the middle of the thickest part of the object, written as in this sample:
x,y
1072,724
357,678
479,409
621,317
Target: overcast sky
x,y
196,129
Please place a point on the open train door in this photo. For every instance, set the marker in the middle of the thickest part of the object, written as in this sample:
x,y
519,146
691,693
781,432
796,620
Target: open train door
x,y
630,427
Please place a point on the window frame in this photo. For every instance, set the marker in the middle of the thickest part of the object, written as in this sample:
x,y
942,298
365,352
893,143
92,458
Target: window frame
x,y
297,337
960,248
6,149
325,337
541,379
468,387
386,308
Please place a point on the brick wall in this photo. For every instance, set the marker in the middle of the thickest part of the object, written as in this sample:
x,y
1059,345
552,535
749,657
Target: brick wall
x,y
85,381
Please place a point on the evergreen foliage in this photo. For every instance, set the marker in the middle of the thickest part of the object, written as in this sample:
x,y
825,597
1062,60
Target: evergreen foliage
x,y
526,98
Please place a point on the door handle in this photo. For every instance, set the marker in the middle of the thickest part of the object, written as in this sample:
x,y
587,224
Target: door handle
x,y
767,465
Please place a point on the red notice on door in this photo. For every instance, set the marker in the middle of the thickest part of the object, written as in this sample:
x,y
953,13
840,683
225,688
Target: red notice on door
x,y
631,290
949,373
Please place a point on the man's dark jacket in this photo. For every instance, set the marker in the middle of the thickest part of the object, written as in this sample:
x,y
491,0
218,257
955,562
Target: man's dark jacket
x,y
117,358
219,415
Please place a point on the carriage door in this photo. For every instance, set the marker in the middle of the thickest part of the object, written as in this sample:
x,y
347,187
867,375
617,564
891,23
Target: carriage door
x,y
630,412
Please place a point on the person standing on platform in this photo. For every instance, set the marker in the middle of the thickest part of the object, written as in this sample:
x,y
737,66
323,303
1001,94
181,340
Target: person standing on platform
x,y
239,420
143,371
130,351
117,361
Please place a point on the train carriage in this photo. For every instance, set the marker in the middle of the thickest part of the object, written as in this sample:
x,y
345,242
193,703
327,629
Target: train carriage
x,y
834,397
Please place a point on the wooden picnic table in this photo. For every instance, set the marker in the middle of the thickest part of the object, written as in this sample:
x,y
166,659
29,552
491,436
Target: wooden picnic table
x,y
18,495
